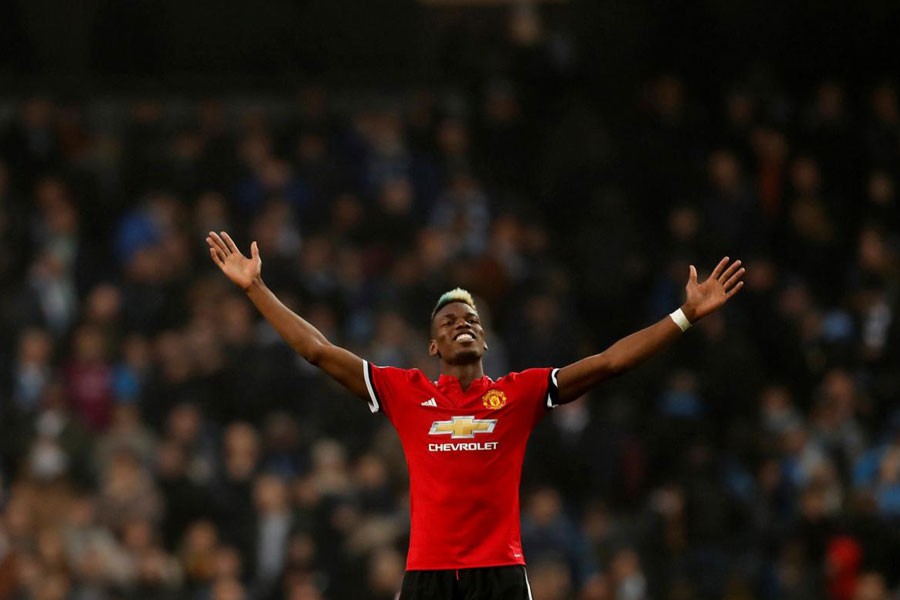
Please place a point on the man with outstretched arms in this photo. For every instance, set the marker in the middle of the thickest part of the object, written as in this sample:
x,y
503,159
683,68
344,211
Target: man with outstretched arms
x,y
464,435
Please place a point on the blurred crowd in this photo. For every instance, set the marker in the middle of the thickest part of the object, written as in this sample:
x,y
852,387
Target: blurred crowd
x,y
158,440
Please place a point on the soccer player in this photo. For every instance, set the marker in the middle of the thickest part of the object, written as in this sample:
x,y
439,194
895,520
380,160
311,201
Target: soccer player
x,y
464,435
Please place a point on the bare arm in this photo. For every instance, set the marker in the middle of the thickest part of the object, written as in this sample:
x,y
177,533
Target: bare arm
x,y
630,351
342,365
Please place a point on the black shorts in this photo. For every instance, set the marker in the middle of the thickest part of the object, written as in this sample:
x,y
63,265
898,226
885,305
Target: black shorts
x,y
488,583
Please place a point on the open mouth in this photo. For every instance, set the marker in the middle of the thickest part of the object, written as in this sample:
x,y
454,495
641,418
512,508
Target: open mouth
x,y
465,336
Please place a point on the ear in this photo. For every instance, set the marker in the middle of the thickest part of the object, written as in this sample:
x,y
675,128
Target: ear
x,y
485,347
433,349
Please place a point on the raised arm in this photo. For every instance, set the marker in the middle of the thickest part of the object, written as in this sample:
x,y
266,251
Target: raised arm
x,y
627,353
342,365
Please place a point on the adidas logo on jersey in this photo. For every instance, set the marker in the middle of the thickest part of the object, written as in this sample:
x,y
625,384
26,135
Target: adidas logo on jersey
x,y
429,402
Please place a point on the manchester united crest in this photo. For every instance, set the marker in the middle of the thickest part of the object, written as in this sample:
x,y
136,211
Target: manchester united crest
x,y
494,399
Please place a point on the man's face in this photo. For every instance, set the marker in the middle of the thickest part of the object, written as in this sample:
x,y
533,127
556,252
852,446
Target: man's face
x,y
456,334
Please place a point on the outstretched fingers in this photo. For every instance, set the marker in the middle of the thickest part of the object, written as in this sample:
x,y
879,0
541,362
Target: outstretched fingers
x,y
230,243
734,279
717,272
216,242
734,290
217,257
729,272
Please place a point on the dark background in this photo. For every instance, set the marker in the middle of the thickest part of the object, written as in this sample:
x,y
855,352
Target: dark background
x,y
95,43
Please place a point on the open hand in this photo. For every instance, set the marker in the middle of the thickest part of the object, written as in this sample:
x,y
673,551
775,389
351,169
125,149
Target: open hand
x,y
242,271
705,298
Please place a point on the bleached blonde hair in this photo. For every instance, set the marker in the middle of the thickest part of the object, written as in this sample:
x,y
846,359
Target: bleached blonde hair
x,y
454,295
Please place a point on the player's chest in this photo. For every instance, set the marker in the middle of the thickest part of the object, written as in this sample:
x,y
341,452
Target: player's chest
x,y
451,398
478,416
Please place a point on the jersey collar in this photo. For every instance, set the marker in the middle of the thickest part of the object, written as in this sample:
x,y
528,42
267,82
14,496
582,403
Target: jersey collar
x,y
449,382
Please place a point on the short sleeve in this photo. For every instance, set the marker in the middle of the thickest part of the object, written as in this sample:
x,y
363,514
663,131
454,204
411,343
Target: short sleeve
x,y
552,399
374,398
536,389
537,386
382,383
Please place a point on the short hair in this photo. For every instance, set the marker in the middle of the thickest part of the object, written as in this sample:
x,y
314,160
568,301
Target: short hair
x,y
454,295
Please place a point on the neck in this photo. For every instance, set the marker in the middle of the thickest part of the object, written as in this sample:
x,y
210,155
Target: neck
x,y
466,373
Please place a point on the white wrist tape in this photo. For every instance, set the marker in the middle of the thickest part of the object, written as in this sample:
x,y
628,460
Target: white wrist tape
x,y
680,320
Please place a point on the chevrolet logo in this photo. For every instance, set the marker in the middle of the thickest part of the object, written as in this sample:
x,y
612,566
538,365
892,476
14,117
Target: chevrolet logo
x,y
462,427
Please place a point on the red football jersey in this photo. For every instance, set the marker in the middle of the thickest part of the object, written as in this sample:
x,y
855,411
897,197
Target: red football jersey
x,y
465,451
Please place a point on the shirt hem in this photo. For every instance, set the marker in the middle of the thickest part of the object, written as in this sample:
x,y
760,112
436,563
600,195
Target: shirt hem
x,y
450,567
